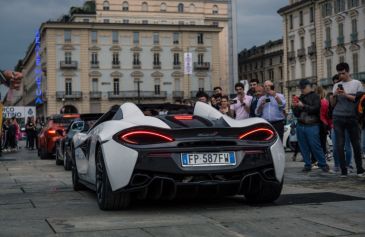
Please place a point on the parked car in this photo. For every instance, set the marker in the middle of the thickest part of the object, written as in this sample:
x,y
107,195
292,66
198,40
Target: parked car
x,y
51,132
64,144
127,154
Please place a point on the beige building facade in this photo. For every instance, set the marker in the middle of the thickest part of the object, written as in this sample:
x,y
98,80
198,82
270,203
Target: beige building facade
x,y
131,51
317,35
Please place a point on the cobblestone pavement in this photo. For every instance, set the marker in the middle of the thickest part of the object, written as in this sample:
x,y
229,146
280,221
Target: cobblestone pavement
x,y
36,199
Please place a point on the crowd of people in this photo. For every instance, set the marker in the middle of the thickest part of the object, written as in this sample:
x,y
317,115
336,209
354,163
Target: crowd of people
x,y
318,115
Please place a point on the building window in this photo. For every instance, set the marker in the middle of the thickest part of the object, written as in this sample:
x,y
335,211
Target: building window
x,y
176,59
327,9
302,68
215,10
145,22
176,38
94,58
116,86
67,36
270,61
354,25
329,68
157,87
292,72
125,6
68,86
136,59
201,84
68,57
291,22
200,38
341,59
353,3
115,59
95,85
340,6
292,45
106,21
156,59
144,7
156,38
314,68
355,61
301,18
271,75
192,8
281,72
302,43
125,21
115,36
340,29
177,84
94,36
311,14
106,6
180,8
163,7
200,59
135,38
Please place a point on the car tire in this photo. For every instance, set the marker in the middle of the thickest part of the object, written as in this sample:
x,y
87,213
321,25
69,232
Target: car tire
x,y
43,155
58,161
66,162
107,200
77,186
266,192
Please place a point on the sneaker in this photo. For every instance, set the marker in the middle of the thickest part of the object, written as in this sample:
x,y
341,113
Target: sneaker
x,y
361,175
325,168
307,169
294,158
350,169
343,176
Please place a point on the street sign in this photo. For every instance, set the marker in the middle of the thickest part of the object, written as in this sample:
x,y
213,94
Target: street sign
x,y
188,63
19,111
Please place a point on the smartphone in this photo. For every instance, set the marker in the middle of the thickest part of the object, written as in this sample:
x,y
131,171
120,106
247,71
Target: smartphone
x,y
340,86
267,100
272,87
233,101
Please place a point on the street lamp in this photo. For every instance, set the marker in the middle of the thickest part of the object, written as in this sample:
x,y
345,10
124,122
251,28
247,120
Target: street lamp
x,y
63,105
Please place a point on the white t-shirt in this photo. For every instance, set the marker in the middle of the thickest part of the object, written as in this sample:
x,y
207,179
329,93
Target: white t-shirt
x,y
345,107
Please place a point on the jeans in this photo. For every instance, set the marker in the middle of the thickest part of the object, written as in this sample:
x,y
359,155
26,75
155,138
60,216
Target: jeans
x,y
350,124
310,143
348,149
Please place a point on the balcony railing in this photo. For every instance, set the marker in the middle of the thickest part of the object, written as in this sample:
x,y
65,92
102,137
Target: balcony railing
x,y
340,40
291,55
177,66
354,37
327,44
95,95
312,49
178,94
301,52
69,95
295,83
94,64
157,65
193,93
134,95
68,65
116,64
359,76
201,66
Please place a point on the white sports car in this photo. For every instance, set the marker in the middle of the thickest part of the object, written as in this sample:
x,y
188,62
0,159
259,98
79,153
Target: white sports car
x,y
128,155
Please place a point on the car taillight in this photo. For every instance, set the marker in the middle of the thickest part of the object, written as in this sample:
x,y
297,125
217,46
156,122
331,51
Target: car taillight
x,y
183,117
258,134
51,132
144,137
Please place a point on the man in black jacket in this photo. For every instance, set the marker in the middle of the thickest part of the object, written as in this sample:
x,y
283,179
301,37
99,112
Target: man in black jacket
x,y
307,109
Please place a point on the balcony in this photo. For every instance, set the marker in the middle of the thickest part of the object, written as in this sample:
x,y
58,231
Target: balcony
x,y
301,52
115,64
312,50
201,66
359,76
68,65
291,55
136,65
94,64
193,93
157,65
177,66
340,40
178,94
327,44
134,95
69,95
95,95
354,37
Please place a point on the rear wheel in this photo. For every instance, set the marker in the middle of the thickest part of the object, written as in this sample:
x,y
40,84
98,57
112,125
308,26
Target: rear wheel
x,y
77,186
66,161
43,155
265,192
107,200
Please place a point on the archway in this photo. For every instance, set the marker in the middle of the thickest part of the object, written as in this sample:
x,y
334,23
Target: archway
x,y
69,109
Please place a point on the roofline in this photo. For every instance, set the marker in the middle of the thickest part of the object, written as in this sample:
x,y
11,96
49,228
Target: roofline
x,y
291,7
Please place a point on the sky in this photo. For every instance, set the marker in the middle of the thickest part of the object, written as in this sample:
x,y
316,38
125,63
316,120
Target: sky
x,y
257,23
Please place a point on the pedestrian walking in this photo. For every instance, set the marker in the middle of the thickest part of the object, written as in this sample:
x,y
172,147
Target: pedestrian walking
x,y
271,107
344,117
11,136
30,127
307,109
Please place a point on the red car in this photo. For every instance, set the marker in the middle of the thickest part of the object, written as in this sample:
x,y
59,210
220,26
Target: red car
x,y
52,131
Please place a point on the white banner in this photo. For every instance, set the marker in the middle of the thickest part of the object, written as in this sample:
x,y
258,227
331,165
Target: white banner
x,y
188,63
19,111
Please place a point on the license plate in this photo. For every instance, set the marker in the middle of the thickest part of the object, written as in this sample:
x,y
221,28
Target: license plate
x,y
208,159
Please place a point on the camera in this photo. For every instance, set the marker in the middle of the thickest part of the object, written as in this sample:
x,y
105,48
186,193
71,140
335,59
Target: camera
x,y
233,101
267,100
